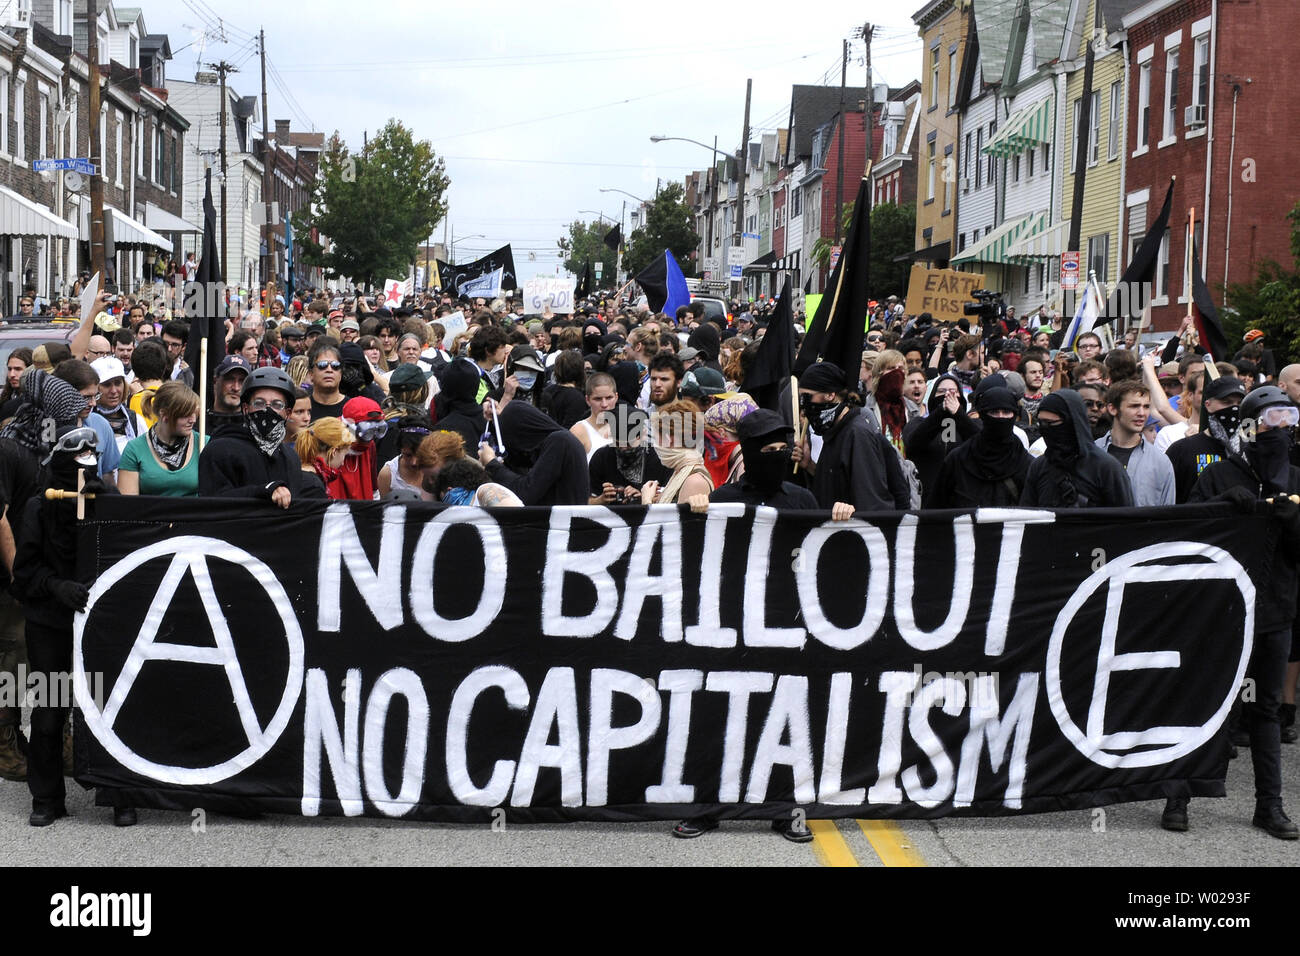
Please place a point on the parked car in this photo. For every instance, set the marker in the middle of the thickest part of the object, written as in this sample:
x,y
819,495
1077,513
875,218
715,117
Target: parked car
x,y
17,333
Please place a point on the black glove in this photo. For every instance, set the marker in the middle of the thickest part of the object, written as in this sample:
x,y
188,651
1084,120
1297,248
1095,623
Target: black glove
x,y
1289,512
1240,498
71,594
94,486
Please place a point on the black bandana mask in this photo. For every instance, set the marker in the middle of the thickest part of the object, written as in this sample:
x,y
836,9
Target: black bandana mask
x,y
352,382
822,415
267,428
766,470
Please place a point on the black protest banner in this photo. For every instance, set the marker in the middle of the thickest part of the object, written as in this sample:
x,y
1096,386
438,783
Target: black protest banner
x,y
632,664
456,276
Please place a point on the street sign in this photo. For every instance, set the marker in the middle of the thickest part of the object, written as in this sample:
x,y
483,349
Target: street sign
x,y
736,255
835,256
751,235
1069,270
737,272
599,268
712,264
78,164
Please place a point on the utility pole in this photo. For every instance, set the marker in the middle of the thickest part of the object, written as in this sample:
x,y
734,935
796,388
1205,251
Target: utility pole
x,y
839,172
713,200
98,256
1083,133
868,126
744,163
222,69
268,161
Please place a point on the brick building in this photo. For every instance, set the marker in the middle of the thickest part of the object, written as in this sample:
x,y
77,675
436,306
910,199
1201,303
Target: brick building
x,y
1202,107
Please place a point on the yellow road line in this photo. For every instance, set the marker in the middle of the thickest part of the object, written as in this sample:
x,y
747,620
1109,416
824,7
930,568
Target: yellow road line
x,y
829,844
891,843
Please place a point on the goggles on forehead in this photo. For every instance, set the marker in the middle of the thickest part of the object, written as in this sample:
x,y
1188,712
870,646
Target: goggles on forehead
x,y
1280,416
368,431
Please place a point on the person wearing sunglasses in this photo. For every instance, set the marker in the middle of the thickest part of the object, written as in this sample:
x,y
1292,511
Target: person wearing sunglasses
x,y
1261,472
249,459
325,372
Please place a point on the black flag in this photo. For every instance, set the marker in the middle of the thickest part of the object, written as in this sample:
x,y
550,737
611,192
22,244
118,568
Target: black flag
x,y
205,300
584,284
614,238
1206,316
836,332
775,357
1138,279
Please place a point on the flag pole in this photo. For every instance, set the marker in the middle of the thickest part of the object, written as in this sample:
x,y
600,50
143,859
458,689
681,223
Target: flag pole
x,y
203,390
1191,218
830,317
794,410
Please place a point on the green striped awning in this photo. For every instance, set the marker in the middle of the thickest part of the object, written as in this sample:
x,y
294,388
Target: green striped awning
x,y
1024,129
995,246
1045,243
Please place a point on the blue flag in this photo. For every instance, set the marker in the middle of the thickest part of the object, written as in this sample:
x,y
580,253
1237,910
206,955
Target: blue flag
x,y
664,285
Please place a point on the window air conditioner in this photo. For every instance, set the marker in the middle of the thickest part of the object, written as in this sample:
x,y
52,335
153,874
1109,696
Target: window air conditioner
x,y
1194,115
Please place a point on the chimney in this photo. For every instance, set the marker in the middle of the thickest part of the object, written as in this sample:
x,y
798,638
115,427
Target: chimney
x,y
282,133
206,79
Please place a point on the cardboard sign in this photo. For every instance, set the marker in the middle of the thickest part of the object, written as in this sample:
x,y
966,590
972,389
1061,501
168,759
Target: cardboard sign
x,y
941,292
453,325
543,291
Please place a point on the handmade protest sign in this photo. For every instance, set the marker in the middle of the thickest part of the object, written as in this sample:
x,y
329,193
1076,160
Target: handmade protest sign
x,y
941,292
598,663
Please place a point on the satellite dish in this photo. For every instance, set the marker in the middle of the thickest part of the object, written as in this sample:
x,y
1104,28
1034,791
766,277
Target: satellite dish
x,y
73,180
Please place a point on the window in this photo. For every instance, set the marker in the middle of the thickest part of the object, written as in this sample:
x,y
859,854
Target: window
x,y
137,141
1171,94
1030,157
1074,136
117,144
1094,128
965,166
42,151
1015,168
1162,269
159,147
979,157
952,78
1047,157
103,140
1144,107
929,189
796,196
20,126
1201,77
74,148
1099,256
173,176
993,128
949,170
4,113
63,13
1116,104
934,78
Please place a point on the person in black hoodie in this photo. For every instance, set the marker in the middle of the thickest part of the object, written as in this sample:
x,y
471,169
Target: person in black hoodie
x,y
989,470
1217,439
858,470
45,580
1263,471
1073,472
249,459
708,339
765,446
548,465
930,439
564,399
456,407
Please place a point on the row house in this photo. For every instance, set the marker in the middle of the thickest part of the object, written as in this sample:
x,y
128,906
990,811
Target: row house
x,y
1199,108
893,174
294,160
44,97
239,216
942,25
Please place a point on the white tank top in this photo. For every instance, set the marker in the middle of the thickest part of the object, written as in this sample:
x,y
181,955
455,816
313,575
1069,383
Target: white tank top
x,y
398,483
594,436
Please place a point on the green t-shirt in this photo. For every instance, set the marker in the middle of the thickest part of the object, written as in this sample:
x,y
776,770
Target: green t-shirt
x,y
155,478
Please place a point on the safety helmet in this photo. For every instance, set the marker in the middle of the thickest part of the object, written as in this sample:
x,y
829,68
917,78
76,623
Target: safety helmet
x,y
1261,398
269,378
81,442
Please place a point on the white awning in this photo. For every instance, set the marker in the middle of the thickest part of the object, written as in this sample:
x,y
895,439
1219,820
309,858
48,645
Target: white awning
x,y
1044,244
126,231
160,220
20,216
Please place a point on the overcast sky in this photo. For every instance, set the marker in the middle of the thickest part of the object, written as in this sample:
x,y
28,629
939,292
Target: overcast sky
x,y
535,106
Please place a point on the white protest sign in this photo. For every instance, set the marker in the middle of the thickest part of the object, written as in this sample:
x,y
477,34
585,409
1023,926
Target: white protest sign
x,y
89,294
393,292
453,324
543,291
487,285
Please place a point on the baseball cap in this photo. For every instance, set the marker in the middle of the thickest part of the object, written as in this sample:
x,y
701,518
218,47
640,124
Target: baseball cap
x,y
700,382
688,353
406,376
523,356
762,423
1223,386
349,325
232,362
108,368
535,326
291,331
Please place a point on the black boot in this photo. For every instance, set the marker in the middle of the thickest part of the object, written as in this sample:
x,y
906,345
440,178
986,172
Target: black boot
x,y
1175,816
1275,822
13,762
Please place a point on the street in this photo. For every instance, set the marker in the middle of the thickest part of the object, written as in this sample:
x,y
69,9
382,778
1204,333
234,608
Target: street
x,y
1117,836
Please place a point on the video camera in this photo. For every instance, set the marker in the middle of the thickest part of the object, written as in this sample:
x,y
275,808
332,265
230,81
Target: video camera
x,y
988,307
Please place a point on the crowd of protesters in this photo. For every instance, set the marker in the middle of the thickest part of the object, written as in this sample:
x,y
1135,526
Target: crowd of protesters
x,y
472,402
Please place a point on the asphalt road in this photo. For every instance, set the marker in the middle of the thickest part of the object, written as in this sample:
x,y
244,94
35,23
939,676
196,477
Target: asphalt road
x,y
1125,835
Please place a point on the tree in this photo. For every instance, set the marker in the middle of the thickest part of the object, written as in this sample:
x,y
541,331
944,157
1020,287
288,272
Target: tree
x,y
1270,303
371,210
667,226
586,243
892,230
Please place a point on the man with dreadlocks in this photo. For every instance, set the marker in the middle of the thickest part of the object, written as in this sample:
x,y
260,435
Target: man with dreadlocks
x,y
48,403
